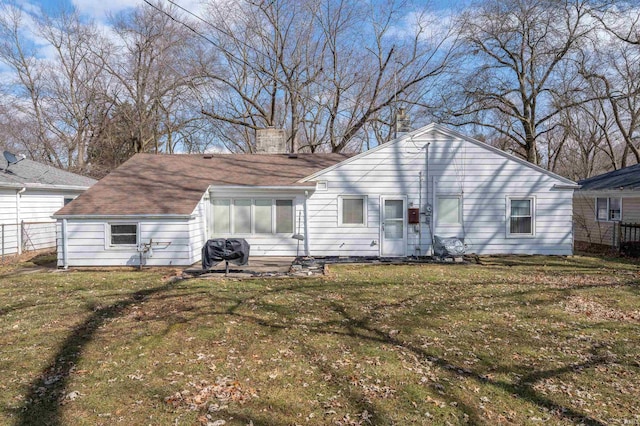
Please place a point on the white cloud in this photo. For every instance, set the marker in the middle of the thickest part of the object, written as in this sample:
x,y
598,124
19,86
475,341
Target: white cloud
x,y
101,9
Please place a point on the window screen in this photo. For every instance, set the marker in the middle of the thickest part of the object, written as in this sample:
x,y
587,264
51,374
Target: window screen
x,y
353,211
614,209
242,216
602,209
263,216
449,210
521,217
608,209
221,216
124,234
284,216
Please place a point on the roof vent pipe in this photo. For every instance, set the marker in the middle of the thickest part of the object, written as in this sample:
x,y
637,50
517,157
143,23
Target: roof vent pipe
x,y
403,122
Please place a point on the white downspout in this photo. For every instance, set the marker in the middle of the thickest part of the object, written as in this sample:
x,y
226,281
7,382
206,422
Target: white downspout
x,y
65,249
434,213
306,225
18,221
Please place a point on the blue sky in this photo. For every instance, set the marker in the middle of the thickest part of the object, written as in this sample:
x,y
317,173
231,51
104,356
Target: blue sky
x,y
98,9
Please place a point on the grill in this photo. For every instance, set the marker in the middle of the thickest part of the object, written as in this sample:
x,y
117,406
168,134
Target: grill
x,y
234,250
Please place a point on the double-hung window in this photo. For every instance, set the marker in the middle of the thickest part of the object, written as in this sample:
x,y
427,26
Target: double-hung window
x,y
245,216
521,216
608,209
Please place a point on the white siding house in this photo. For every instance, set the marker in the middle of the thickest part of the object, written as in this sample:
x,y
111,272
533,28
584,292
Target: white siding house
x,y
343,205
30,192
464,188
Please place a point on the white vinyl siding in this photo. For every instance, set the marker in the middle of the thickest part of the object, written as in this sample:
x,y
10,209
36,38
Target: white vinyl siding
x,y
88,243
36,208
481,178
197,228
176,241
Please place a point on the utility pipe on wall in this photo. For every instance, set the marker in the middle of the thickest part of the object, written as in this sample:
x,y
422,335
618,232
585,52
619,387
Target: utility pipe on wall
x,y
428,213
65,250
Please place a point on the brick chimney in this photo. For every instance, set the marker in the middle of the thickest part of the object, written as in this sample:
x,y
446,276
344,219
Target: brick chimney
x,y
271,141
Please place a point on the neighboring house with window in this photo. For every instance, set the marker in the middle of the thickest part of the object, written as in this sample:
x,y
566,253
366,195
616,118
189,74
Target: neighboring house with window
x,y
605,201
388,201
30,192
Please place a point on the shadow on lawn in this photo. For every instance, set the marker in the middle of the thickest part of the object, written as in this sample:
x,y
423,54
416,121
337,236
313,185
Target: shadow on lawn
x,y
45,394
360,328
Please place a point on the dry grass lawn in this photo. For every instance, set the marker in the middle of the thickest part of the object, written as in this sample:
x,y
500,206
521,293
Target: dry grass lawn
x,y
517,340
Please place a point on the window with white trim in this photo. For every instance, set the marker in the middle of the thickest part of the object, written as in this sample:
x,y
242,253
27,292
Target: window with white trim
x,y
608,209
123,234
448,210
521,216
352,210
245,216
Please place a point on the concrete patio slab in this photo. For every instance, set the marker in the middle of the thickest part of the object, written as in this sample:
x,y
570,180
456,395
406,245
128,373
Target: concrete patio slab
x,y
258,266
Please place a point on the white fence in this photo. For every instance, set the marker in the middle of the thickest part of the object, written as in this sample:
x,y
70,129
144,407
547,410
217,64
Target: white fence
x,y
17,238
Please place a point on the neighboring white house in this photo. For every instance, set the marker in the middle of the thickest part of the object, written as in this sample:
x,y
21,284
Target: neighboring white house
x,y
388,201
30,192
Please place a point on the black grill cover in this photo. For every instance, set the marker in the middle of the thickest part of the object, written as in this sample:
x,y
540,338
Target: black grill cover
x,y
235,250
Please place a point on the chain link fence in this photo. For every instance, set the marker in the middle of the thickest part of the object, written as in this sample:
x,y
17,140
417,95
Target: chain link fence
x,y
18,238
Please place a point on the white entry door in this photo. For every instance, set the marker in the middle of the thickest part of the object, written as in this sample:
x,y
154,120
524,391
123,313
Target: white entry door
x,y
393,226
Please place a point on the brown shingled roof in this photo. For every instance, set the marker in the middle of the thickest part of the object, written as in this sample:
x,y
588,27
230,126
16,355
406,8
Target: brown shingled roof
x,y
150,184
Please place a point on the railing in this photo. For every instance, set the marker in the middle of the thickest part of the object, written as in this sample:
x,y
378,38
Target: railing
x,y
629,232
18,238
628,237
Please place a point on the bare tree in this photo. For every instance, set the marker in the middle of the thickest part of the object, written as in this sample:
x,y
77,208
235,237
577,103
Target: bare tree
x,y
75,82
583,144
518,59
153,75
612,68
21,57
619,18
324,70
